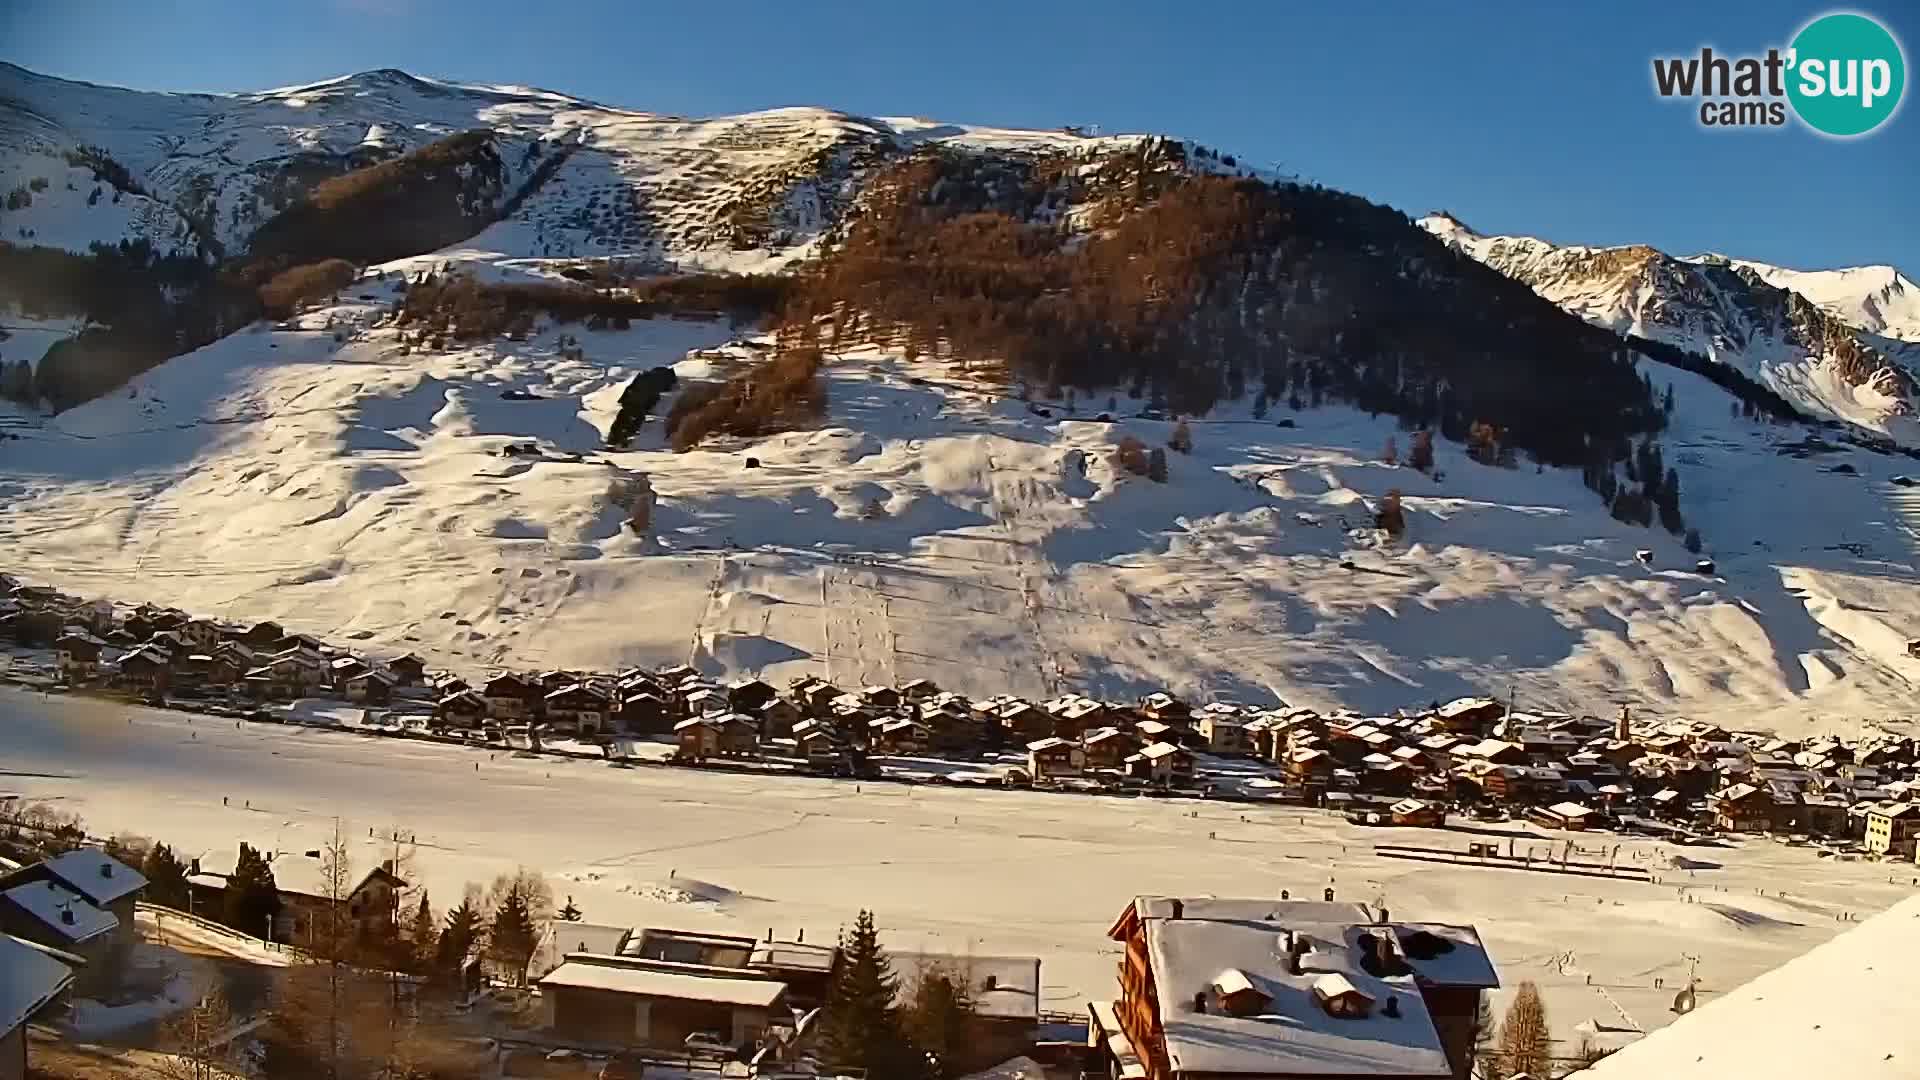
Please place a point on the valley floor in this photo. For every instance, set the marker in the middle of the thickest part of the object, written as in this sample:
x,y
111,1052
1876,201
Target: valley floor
x,y
944,869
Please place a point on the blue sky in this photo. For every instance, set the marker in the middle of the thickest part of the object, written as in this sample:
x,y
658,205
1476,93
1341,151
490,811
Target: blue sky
x,y
1516,116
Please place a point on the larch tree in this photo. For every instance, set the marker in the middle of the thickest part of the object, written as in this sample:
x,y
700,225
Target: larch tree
x,y
1526,1043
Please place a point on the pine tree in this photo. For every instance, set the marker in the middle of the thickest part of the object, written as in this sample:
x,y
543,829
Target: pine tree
x,y
512,937
1526,1043
1157,465
166,877
457,940
1693,541
252,899
861,1027
569,913
423,936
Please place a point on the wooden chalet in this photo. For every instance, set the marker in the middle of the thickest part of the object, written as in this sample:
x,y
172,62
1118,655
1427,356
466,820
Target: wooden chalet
x,y
1108,747
1742,808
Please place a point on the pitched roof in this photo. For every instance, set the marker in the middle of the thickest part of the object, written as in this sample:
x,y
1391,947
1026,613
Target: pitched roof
x,y
96,875
29,979
50,902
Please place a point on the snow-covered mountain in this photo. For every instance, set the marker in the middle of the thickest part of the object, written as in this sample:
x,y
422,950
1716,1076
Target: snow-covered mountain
x,y
1834,343
740,192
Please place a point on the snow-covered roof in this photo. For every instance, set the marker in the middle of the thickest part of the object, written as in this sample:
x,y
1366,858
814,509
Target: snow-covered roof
x,y
1001,987
29,979
647,982
96,875
49,902
1568,810
1288,1032
1041,746
1156,751
1845,1008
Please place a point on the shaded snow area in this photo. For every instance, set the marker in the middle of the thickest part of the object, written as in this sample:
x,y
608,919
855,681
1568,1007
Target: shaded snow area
x,y
987,872
159,982
461,504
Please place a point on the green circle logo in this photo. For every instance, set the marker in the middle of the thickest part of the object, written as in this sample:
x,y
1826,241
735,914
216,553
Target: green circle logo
x,y
1847,74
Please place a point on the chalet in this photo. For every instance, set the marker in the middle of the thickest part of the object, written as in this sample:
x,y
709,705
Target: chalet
x,y
1495,751
145,669
704,701
1263,733
749,695
1230,989
1107,748
918,690
463,708
37,982
777,716
699,738
1309,765
818,744
408,670
739,734
342,668
1743,808
77,656
106,882
951,727
301,642
1154,731
305,904
880,697
1167,709
1468,716
373,686
1052,758
644,713
1161,763
35,627
1074,715
448,684
1892,829
51,914
1416,813
1023,722
583,707
1382,775
816,697
202,634
191,671
899,735
223,669
1226,733
1571,816
509,697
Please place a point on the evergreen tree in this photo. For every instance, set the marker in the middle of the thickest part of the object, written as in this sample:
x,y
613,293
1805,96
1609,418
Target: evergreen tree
x,y
1666,402
1526,1043
423,936
252,899
166,877
569,913
1693,541
457,940
861,1027
512,937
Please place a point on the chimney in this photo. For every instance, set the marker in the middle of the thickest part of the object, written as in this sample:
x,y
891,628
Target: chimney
x,y
1392,1008
992,982
1383,953
106,869
66,915
1200,1002
1622,730
1178,908
1382,920
1295,947
1328,894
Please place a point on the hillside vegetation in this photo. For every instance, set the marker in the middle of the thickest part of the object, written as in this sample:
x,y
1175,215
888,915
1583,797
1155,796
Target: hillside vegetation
x,y
1186,289
434,196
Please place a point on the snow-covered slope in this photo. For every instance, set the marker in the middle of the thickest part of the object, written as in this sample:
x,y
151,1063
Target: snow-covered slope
x,y
1828,354
931,527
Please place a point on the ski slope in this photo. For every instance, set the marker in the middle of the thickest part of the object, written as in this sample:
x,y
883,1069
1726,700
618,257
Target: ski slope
x,y
931,526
